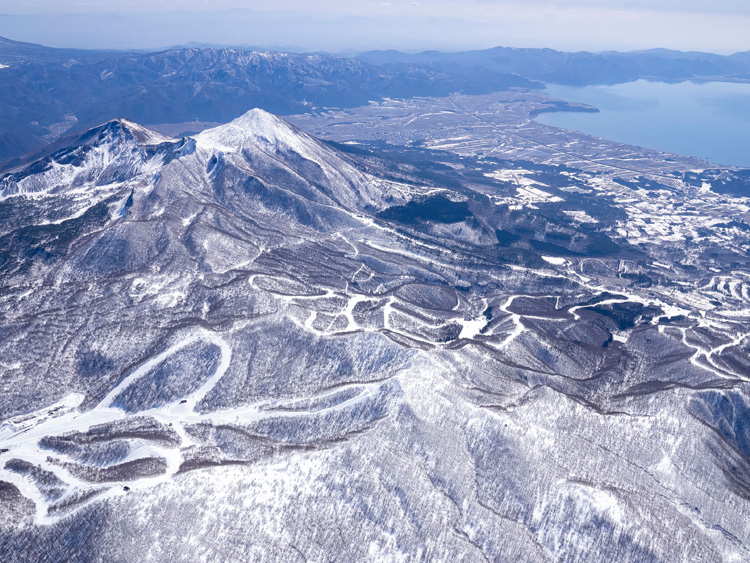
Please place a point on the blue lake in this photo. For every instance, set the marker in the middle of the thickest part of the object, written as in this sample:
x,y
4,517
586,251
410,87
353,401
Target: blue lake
x,y
709,121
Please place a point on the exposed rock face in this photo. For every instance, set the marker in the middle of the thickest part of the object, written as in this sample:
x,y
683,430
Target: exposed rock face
x,y
247,345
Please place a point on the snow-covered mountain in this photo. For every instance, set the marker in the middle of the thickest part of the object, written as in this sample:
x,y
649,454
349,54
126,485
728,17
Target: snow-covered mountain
x,y
250,345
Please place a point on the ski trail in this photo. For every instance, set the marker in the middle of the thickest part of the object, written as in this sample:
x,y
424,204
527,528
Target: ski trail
x,y
153,362
516,320
20,438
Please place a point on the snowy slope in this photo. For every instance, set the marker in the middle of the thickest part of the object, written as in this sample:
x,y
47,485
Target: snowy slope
x,y
242,346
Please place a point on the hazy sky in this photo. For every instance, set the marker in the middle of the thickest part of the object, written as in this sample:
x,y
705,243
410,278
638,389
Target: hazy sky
x,y
351,25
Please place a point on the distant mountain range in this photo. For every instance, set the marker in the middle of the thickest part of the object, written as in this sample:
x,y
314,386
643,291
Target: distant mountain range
x,y
46,92
577,69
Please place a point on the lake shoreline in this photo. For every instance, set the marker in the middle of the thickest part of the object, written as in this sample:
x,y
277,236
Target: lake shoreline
x,y
710,120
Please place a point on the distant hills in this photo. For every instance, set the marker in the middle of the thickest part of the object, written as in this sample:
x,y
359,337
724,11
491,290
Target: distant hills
x,y
47,92
17,52
577,69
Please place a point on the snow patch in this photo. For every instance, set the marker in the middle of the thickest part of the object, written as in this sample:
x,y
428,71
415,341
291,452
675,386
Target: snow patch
x,y
580,216
556,260
472,327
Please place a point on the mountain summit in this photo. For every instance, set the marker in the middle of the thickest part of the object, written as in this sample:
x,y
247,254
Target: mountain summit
x,y
274,149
